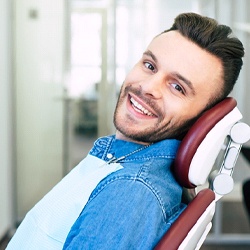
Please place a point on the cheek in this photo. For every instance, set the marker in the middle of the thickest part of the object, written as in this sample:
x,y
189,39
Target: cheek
x,y
176,111
171,107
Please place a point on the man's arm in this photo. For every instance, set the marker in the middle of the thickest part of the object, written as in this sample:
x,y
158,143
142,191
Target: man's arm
x,y
125,214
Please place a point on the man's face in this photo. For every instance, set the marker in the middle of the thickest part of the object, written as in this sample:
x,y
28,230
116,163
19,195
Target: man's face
x,y
170,86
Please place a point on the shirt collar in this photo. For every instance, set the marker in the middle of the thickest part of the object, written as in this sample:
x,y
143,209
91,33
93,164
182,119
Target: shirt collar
x,y
112,147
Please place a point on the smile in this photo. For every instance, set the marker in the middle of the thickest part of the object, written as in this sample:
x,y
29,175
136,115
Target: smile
x,y
139,108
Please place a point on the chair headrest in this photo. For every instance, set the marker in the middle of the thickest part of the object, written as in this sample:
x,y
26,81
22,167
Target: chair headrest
x,y
202,144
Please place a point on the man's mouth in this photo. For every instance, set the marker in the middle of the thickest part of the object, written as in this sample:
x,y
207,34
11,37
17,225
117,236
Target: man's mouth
x,y
139,108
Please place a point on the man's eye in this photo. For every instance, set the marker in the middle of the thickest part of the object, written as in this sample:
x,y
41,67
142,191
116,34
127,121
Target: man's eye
x,y
178,87
149,66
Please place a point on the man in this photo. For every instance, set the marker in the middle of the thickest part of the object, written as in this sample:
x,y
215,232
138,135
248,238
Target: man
x,y
123,194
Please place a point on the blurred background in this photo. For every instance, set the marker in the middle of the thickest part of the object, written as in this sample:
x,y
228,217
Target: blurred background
x,y
62,63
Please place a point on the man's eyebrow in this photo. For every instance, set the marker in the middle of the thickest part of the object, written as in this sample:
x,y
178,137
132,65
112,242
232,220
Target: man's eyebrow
x,y
150,54
186,81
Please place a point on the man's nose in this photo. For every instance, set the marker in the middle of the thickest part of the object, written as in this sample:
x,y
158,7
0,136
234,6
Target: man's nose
x,y
153,85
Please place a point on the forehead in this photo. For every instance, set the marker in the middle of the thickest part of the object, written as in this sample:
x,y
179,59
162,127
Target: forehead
x,y
175,53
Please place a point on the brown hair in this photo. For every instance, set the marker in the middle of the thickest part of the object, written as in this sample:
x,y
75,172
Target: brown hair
x,y
216,39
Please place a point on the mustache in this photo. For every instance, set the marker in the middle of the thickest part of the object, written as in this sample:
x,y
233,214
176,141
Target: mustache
x,y
149,101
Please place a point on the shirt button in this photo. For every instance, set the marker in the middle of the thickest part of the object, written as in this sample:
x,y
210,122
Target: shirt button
x,y
109,156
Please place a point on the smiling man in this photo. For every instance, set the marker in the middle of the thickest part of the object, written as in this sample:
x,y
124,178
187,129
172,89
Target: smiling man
x,y
123,195
173,76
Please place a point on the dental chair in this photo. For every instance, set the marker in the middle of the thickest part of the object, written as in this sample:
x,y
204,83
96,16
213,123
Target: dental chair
x,y
217,136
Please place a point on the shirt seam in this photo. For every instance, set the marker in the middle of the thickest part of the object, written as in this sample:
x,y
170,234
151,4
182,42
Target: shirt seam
x,y
97,191
149,158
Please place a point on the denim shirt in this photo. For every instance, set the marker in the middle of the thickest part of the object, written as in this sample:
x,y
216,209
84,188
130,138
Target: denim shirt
x,y
131,208
127,204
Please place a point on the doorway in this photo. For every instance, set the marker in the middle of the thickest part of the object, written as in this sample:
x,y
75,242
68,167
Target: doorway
x,y
89,94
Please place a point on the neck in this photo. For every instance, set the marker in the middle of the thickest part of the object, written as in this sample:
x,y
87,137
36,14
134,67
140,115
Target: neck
x,y
120,136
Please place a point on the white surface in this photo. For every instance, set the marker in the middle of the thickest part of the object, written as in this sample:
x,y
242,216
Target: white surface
x,y
39,65
5,119
209,148
240,133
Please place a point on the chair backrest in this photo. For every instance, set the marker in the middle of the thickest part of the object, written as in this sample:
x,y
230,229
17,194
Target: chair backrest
x,y
202,144
191,228
195,159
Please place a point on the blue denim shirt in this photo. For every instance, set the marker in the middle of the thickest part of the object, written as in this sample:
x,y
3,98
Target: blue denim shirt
x,y
131,208
125,205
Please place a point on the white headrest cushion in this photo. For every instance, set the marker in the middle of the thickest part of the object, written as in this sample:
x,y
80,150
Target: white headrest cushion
x,y
205,156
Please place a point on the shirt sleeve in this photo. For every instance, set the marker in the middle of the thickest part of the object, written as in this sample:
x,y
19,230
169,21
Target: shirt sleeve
x,y
125,214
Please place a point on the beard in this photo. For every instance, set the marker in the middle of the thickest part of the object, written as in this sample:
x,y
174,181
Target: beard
x,y
159,131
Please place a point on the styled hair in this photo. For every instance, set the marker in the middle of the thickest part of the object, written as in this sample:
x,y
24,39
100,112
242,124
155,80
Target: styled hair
x,y
217,39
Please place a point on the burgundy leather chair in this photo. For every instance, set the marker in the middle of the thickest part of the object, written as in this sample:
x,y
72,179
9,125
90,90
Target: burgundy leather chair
x,y
216,137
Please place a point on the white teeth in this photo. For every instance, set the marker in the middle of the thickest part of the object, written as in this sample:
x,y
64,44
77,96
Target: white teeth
x,y
140,108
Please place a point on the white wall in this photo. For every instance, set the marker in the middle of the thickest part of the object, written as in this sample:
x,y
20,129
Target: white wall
x,y
39,65
5,119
